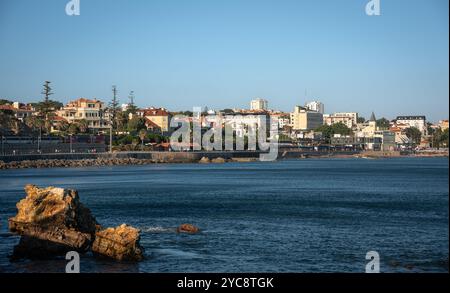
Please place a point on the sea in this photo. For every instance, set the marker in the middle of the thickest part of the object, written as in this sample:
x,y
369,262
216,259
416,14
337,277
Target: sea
x,y
308,215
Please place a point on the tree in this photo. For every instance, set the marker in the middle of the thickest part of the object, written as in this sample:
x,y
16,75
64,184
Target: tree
x,y
383,123
361,120
73,128
414,134
50,104
444,138
83,125
35,123
430,129
45,110
435,137
328,131
5,102
114,108
135,124
142,136
121,121
62,126
341,128
131,109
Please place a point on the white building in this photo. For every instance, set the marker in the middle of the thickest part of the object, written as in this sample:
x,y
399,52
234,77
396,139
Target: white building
x,y
315,106
419,122
259,104
350,119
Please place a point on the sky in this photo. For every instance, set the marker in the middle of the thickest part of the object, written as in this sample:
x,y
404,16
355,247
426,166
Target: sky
x,y
222,53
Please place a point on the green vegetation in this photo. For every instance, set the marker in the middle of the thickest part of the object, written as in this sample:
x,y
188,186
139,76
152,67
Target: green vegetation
x,y
5,102
135,124
328,131
383,123
439,138
414,134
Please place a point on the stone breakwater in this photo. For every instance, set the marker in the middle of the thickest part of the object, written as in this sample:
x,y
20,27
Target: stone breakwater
x,y
67,163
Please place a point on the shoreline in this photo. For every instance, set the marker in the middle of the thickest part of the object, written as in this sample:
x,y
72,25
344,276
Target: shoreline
x,y
130,161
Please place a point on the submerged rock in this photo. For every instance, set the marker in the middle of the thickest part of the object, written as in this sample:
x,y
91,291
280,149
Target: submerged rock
x,y
51,221
187,228
120,243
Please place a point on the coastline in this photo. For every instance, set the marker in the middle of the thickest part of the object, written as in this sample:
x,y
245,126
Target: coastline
x,y
117,161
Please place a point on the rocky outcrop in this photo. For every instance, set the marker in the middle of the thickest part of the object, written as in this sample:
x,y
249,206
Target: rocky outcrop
x,y
120,243
204,160
218,160
187,228
52,221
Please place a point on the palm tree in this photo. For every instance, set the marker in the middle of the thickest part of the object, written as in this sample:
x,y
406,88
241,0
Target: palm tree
x,y
142,135
83,125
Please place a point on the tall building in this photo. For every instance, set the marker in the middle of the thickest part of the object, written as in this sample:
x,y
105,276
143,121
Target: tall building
x,y
85,109
419,122
315,106
259,104
304,119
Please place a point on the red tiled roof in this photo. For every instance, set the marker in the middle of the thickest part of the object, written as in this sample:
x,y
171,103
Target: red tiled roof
x,y
7,107
58,118
155,112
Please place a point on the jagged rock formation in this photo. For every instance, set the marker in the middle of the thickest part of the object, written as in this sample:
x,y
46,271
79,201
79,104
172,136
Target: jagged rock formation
x,y
120,243
51,221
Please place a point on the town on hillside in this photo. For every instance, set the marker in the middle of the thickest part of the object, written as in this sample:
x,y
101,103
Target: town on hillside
x,y
91,125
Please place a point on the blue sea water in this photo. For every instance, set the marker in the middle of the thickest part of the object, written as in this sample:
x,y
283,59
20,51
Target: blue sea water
x,y
314,215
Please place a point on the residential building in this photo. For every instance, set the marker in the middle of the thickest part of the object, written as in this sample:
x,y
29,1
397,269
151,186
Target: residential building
x,y
259,104
418,122
303,119
315,106
350,119
240,123
443,124
283,119
367,129
93,111
156,118
19,110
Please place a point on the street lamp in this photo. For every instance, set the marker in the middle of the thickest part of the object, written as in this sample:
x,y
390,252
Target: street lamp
x,y
110,138
39,140
70,135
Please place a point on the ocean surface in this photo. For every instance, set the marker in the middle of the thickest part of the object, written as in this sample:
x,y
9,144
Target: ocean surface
x,y
313,215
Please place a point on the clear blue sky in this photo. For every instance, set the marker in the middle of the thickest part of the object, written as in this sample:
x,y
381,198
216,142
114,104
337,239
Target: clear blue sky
x,y
222,53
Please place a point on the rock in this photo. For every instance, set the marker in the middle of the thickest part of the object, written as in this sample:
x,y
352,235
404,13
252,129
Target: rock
x,y
52,221
204,160
187,228
52,207
120,243
218,160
